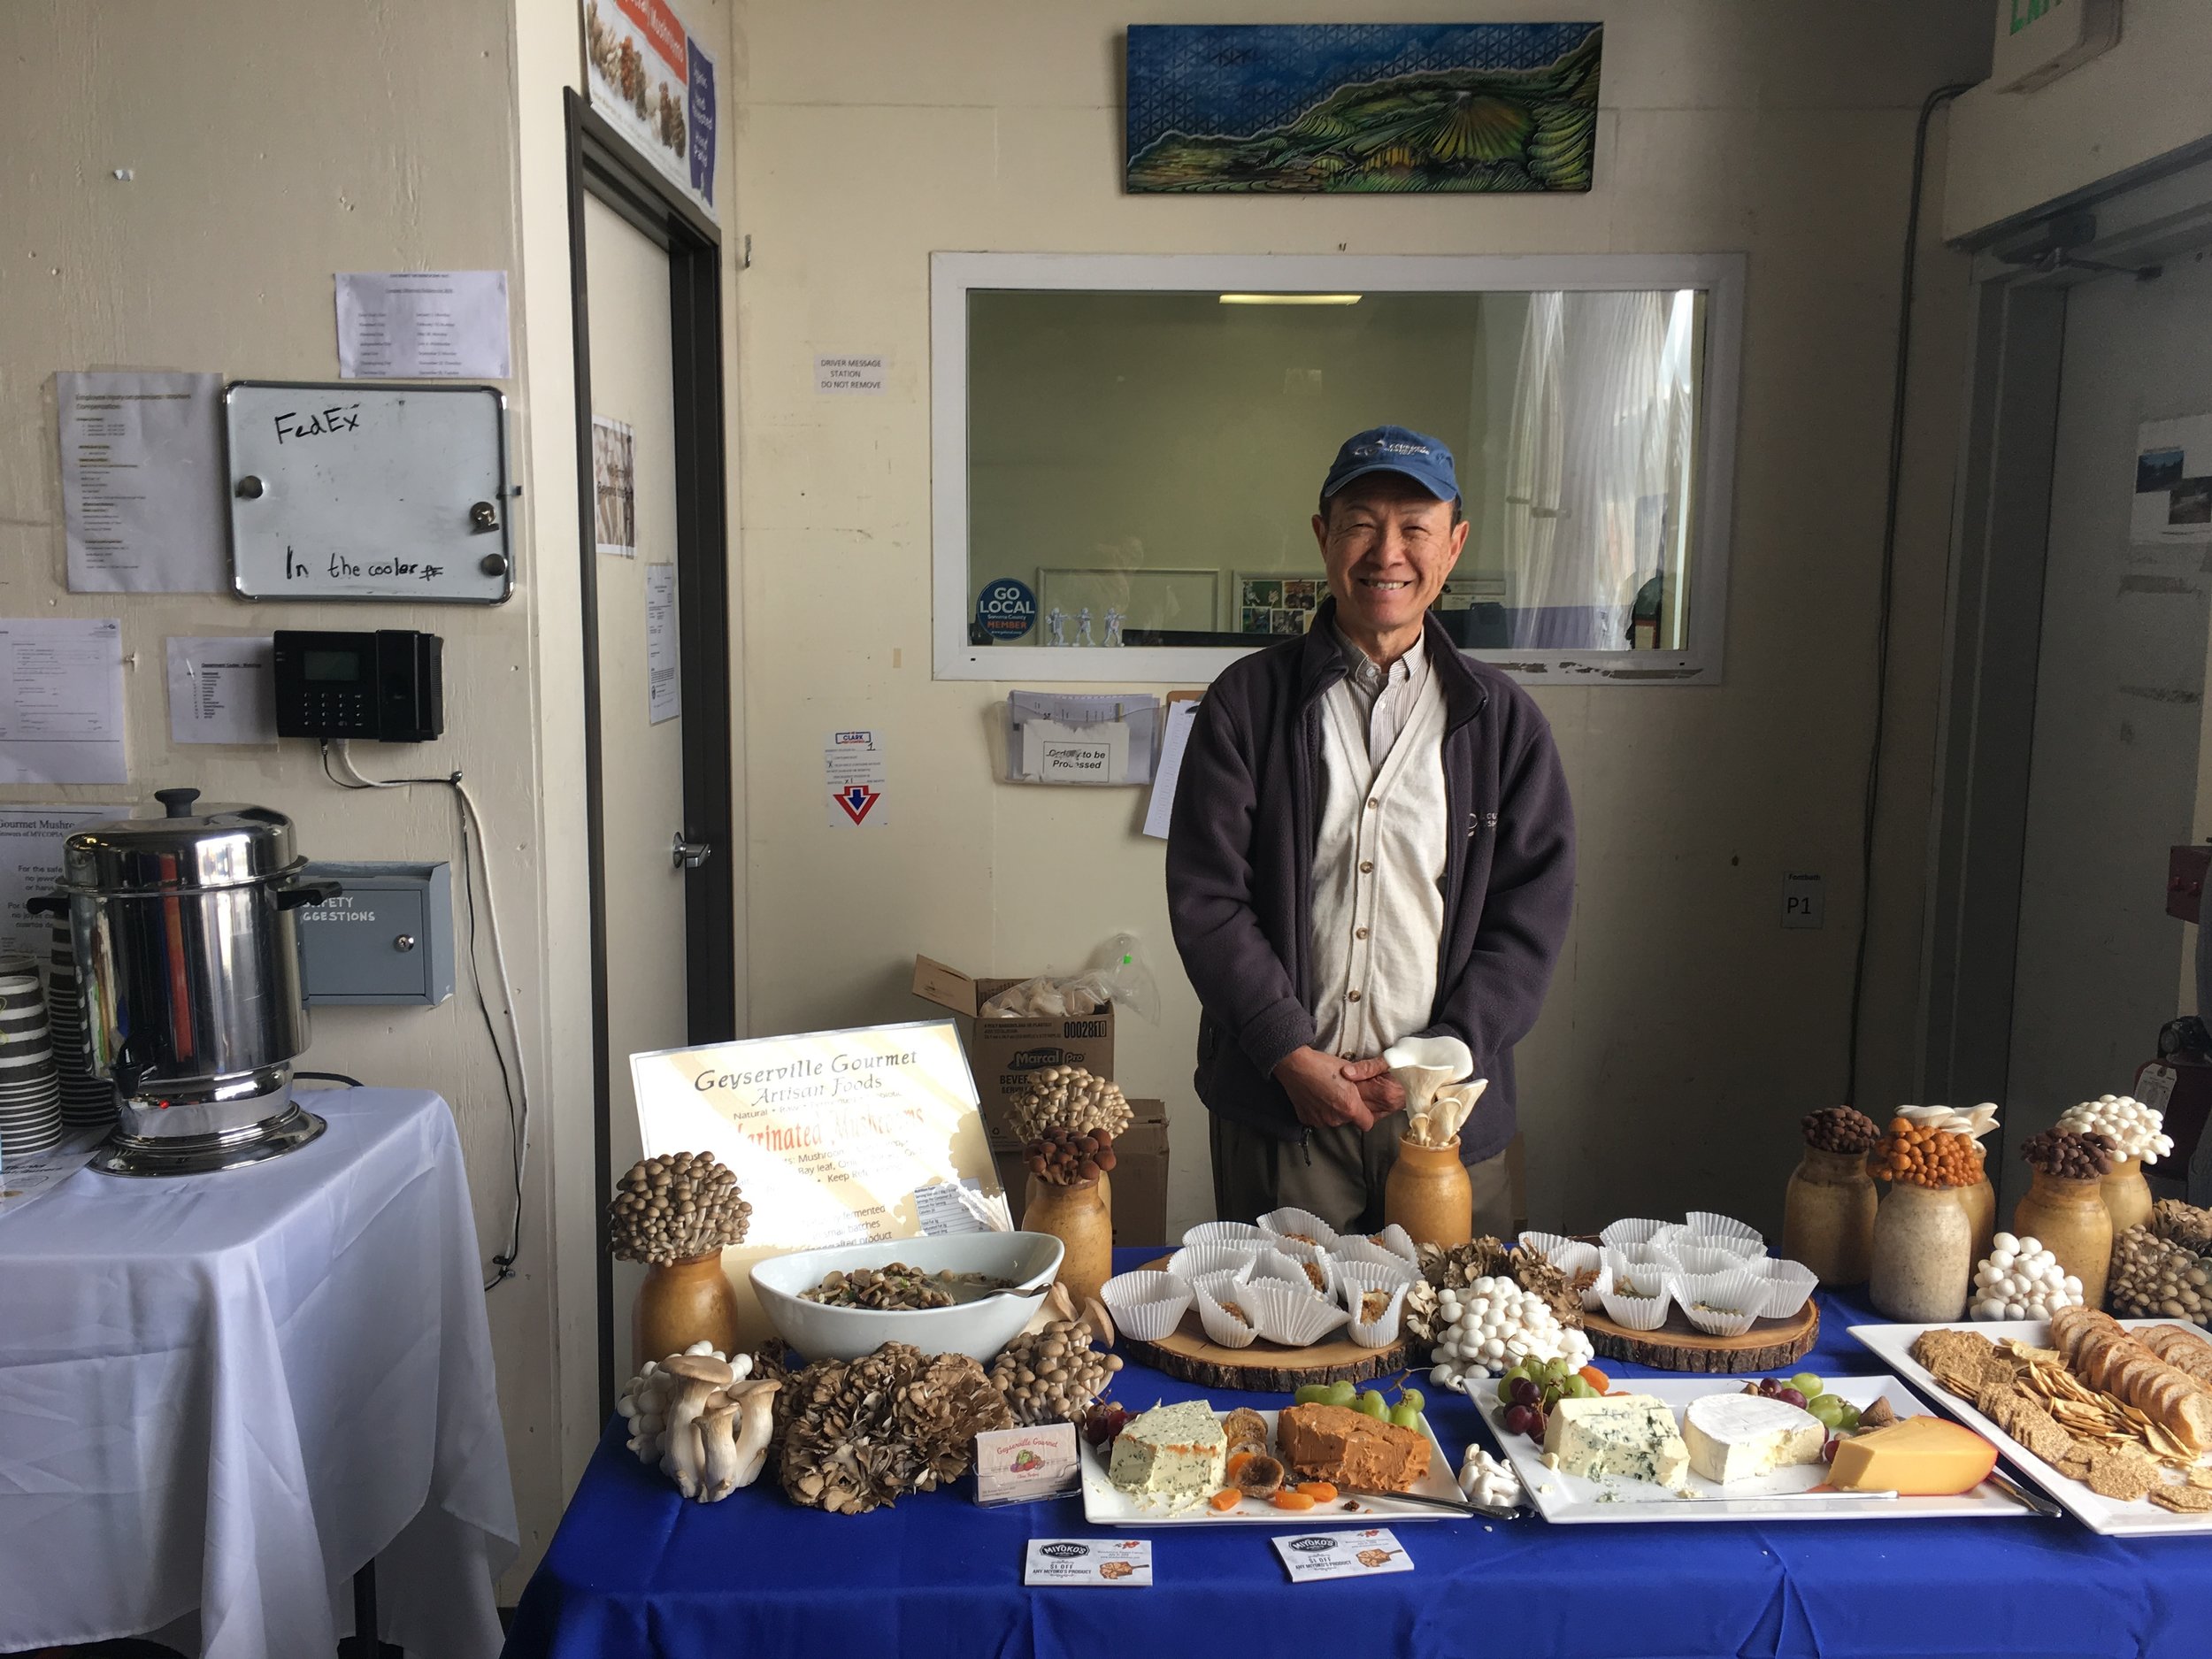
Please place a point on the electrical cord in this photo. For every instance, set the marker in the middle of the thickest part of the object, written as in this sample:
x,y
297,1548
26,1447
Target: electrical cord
x,y
518,1098
1873,787
331,1076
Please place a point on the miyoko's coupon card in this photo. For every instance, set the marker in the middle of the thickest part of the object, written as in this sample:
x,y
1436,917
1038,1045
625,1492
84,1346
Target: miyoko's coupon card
x,y
1309,1557
1117,1563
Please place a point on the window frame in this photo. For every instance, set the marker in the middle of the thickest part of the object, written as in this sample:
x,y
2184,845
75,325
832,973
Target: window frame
x,y
952,276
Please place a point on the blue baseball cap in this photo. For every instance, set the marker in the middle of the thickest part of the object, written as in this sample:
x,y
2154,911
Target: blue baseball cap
x,y
1394,449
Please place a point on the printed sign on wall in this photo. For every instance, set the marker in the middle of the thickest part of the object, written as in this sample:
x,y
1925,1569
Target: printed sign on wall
x,y
654,82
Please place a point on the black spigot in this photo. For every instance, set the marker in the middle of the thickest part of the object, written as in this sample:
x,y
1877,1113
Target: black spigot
x,y
178,802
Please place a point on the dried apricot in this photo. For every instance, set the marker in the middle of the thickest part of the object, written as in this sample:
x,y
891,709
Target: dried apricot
x,y
1225,1500
1319,1490
1237,1462
1292,1499
1595,1377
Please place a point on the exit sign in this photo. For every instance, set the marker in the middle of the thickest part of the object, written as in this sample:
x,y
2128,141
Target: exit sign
x,y
2037,41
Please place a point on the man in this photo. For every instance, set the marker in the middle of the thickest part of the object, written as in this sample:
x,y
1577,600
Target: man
x,y
1371,840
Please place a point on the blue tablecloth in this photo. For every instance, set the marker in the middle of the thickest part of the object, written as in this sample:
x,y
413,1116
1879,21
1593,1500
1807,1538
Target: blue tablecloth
x,y
634,1570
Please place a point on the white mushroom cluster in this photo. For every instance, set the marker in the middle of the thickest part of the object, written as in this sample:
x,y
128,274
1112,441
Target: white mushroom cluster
x,y
1488,1481
696,1416
2134,1129
1494,1324
1066,1097
2020,1279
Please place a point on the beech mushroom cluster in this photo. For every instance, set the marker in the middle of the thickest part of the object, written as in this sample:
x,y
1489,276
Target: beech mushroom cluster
x,y
1067,1097
666,1209
701,1419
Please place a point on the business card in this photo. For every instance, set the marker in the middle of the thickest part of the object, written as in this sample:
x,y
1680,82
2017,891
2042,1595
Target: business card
x,y
1118,1563
1023,1465
1310,1557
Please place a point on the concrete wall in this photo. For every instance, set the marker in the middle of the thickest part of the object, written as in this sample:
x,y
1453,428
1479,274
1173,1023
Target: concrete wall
x,y
1687,1032
2013,151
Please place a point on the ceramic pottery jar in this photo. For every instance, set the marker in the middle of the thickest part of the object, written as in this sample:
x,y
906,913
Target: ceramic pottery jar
x,y
1828,1217
1079,1217
2068,1216
680,1302
1429,1195
1923,1253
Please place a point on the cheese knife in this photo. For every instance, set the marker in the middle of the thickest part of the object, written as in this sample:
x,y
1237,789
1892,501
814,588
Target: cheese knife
x,y
1424,1500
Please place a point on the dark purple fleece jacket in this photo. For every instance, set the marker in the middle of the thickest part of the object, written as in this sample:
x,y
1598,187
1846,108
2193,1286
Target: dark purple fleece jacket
x,y
1240,873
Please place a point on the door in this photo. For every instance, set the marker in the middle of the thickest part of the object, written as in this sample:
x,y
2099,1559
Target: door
x,y
656,671
2112,772
641,755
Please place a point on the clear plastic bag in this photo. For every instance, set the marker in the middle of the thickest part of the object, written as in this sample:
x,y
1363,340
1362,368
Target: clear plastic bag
x,y
1117,973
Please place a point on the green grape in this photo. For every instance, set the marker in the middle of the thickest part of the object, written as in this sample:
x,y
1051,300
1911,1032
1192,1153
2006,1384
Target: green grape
x,y
1412,1397
1828,1409
1313,1393
1505,1388
1341,1394
1807,1385
1406,1416
1848,1418
1555,1370
1578,1388
1372,1404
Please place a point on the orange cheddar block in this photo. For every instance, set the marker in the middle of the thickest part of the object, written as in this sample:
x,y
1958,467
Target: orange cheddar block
x,y
1920,1457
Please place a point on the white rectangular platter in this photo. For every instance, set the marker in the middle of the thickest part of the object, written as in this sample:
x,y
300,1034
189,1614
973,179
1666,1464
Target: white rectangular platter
x,y
1571,1499
1894,1344
1105,1505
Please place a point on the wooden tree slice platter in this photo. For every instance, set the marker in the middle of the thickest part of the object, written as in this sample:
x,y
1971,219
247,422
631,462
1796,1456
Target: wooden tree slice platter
x,y
1678,1345
1186,1354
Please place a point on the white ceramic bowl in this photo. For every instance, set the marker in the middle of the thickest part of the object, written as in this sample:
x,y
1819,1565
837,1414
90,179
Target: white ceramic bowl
x,y
977,1329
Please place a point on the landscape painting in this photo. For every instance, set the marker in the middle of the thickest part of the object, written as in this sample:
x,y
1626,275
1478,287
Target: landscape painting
x,y
1362,107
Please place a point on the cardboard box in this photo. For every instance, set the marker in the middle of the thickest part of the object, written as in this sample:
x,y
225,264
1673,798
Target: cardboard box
x,y
1003,1052
1139,1178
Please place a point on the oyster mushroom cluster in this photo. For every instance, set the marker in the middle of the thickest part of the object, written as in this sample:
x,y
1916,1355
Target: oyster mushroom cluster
x,y
862,1434
667,1209
1067,1097
703,1418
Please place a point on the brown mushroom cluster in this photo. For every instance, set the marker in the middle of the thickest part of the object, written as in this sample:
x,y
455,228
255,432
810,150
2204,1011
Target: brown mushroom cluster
x,y
1067,1097
1068,1157
2067,1156
1050,1374
860,1434
1420,1320
1839,1129
1457,1266
2183,1224
669,1208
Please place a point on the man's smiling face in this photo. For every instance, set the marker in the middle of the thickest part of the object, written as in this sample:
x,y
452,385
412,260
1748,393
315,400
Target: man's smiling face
x,y
1387,545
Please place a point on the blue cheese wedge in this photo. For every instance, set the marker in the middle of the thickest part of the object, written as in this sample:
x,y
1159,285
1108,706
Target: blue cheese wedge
x,y
1171,1454
1629,1435
1740,1437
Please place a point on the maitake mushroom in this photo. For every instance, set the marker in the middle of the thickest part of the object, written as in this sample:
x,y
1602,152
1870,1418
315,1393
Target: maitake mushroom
x,y
1066,1097
1457,1266
696,1416
1419,1320
863,1433
1051,1374
682,1205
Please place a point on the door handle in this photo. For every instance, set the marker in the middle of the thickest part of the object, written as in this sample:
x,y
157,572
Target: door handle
x,y
689,854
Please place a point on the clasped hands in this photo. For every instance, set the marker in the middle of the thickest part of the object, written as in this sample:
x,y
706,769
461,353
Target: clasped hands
x,y
1327,1090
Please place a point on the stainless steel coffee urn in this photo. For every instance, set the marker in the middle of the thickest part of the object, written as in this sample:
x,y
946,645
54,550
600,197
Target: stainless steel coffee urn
x,y
190,965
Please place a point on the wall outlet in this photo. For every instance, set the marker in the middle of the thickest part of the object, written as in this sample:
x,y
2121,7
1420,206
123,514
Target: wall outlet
x,y
1803,904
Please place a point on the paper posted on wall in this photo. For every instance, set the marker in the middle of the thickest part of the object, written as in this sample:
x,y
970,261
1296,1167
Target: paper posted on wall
x,y
31,841
1182,714
422,325
143,483
853,765
2173,482
61,700
222,690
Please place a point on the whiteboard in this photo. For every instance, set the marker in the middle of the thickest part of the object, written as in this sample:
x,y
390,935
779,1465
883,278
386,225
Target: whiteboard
x,y
350,491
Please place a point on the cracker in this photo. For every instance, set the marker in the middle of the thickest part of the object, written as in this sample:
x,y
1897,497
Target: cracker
x,y
2190,1500
2201,1478
2122,1473
2048,1441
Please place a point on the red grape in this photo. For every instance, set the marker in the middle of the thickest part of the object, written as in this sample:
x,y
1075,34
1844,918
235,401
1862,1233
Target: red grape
x,y
1525,1392
1791,1397
1828,1449
1517,1418
1536,1427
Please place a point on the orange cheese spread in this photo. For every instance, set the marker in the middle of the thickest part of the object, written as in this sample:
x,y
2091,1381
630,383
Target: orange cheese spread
x,y
1350,1448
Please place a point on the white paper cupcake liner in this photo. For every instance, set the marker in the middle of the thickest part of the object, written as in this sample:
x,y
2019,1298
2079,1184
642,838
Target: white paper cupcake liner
x,y
1216,1285
1286,1314
1726,1232
1298,1226
1731,1301
1574,1257
1146,1304
1789,1285
1192,1260
1636,1275
1706,1258
1318,1259
1367,1252
1398,1242
1241,1232
1634,1231
1549,1243
1372,1275
1636,1313
1379,1332
1223,1328
1270,1265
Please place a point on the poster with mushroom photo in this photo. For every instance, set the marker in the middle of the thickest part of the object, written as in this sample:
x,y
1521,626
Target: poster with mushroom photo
x,y
654,82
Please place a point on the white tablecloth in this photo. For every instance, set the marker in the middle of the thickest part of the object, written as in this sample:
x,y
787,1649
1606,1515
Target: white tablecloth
x,y
227,1392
